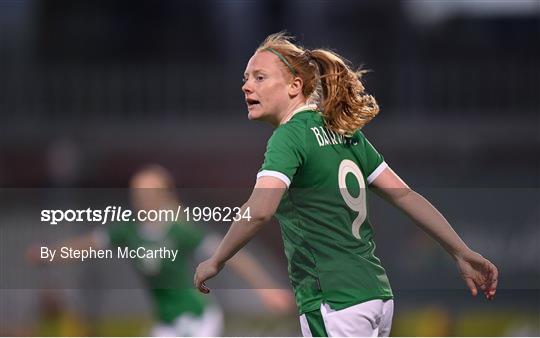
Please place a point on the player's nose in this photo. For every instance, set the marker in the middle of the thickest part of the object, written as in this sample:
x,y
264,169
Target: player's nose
x,y
246,87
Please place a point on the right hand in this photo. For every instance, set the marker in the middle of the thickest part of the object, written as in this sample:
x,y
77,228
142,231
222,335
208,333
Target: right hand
x,y
206,270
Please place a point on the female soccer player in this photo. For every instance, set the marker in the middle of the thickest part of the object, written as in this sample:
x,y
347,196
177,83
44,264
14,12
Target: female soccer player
x,y
316,169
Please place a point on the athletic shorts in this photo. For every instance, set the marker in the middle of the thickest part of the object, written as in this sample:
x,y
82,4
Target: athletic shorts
x,y
208,324
368,319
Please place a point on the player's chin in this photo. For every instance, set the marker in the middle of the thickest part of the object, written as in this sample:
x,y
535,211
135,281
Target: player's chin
x,y
254,113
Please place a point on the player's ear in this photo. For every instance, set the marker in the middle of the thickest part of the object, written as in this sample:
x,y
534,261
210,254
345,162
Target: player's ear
x,y
295,87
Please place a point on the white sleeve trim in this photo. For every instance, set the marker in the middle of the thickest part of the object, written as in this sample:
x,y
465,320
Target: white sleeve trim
x,y
377,172
275,174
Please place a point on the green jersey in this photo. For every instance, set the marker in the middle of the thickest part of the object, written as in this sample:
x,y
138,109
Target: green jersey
x,y
169,282
326,232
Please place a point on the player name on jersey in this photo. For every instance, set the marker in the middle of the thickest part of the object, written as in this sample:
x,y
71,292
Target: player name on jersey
x,y
326,137
141,252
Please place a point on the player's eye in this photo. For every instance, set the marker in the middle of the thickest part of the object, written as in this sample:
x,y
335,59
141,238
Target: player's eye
x,y
244,79
259,78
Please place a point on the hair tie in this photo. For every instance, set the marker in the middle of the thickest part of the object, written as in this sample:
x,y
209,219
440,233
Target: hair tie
x,y
278,54
310,58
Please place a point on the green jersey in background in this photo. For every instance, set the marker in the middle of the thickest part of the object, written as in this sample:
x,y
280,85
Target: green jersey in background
x,y
169,282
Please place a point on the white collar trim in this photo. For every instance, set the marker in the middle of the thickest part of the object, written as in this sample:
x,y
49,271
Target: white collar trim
x,y
299,109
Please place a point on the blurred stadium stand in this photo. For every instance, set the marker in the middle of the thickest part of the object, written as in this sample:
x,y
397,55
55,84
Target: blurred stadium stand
x,y
91,90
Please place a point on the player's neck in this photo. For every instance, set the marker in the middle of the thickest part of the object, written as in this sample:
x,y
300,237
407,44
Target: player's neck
x,y
295,108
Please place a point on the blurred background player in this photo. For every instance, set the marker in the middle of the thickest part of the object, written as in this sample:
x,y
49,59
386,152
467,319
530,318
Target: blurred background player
x,y
315,175
179,308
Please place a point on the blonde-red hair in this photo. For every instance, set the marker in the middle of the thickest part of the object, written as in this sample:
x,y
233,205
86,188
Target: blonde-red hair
x,y
328,81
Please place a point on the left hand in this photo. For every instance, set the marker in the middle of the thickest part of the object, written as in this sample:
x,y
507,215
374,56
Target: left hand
x,y
477,271
277,300
206,270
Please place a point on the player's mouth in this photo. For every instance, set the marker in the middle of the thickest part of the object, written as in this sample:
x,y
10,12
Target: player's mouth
x,y
252,103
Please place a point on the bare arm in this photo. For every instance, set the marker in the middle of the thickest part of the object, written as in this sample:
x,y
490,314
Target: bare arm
x,y
247,267
275,298
390,187
262,203
250,269
474,269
